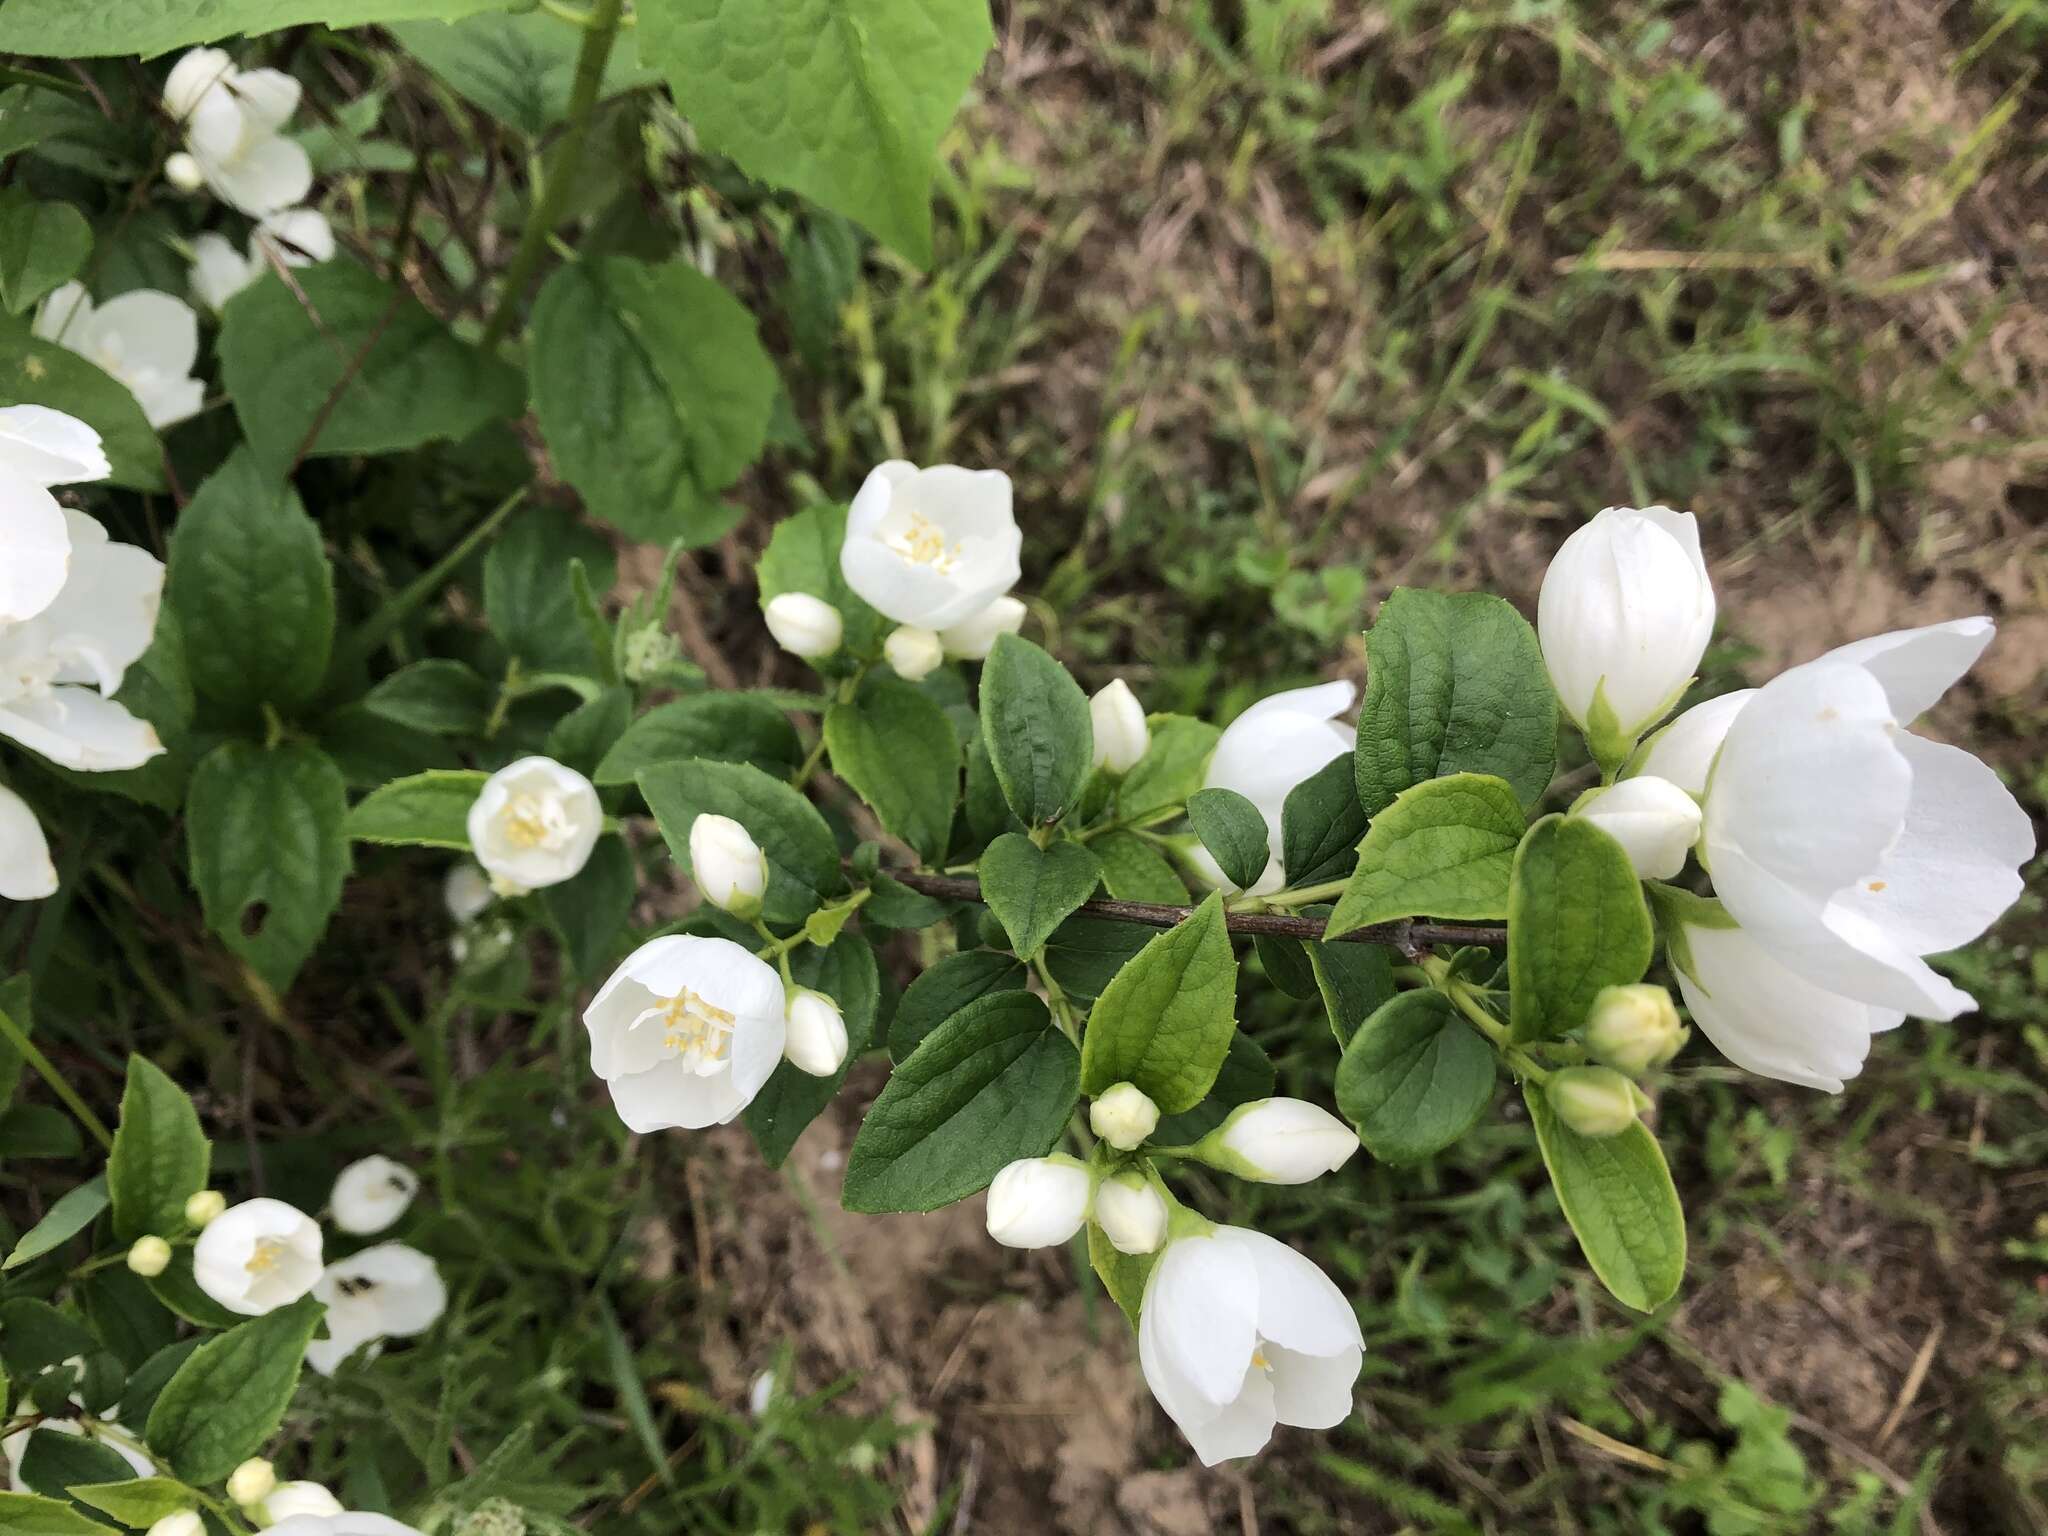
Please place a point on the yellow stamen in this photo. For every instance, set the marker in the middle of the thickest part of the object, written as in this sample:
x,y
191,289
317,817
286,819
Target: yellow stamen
x,y
1259,1359
264,1259
697,1030
922,543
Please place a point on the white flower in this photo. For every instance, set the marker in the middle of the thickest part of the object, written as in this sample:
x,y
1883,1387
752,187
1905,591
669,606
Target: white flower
x,y
1282,1141
912,653
931,547
1849,847
39,448
1123,1115
231,120
761,1394
728,865
15,1446
348,1523
974,637
299,1498
371,1193
1625,614
467,891
258,1256
817,1034
804,625
97,626
534,823
1131,1213
1239,1333
297,237
219,271
1280,741
686,1032
1683,752
146,340
26,872
1038,1202
1633,1028
1121,731
1654,820
1594,1101
390,1291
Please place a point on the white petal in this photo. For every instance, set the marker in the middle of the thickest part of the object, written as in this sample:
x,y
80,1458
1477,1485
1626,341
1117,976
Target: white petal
x,y
1198,1325
105,617
1300,1307
1684,750
49,447
157,332
1654,820
1242,1428
876,495
62,315
26,873
270,174
1768,1020
35,549
1915,667
217,129
192,77
77,729
1313,1391
219,271
1318,701
166,403
268,96
300,236
757,1046
669,1096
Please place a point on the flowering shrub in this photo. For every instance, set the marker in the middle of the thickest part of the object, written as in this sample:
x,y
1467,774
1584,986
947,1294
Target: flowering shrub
x,y
277,701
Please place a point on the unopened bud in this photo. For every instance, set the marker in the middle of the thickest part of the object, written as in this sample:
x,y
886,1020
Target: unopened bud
x,y
1595,1101
804,625
149,1256
252,1482
182,172
182,1522
914,653
1037,1202
1280,1141
1654,820
204,1206
1634,1028
816,1038
972,639
1123,1115
1121,731
1131,1214
730,868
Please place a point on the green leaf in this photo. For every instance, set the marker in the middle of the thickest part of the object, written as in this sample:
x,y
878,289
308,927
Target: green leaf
x,y
28,1514
35,1336
52,1461
1085,954
253,592
1171,770
1444,848
1355,981
61,1222
429,810
1165,1022
590,910
803,861
803,556
1577,922
42,246
1233,831
897,750
438,696
519,68
136,1501
791,1099
264,829
1617,1194
946,989
653,394
994,1083
1123,1275
60,28
581,738
160,1155
1321,822
374,373
841,100
725,727
1034,722
34,372
528,594
1246,1074
231,1393
1414,1078
1133,871
1455,684
1033,890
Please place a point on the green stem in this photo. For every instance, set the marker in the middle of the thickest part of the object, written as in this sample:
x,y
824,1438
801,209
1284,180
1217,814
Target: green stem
x,y
377,628
1307,895
17,1037
1519,1060
810,764
601,31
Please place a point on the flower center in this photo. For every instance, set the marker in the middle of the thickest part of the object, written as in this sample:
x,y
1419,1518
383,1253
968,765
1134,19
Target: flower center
x,y
1259,1357
535,821
268,1251
922,543
694,1030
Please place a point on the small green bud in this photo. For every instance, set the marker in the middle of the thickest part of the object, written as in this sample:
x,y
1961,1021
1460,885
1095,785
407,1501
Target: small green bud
x,y
252,1482
648,651
204,1206
149,1257
1595,1101
1123,1115
1634,1028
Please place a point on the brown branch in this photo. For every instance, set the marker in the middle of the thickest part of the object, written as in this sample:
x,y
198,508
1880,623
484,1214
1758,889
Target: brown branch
x,y
1409,935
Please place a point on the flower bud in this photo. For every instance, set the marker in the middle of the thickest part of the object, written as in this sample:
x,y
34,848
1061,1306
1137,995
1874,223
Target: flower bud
x,y
972,639
1037,1202
149,1256
182,171
804,625
300,1498
204,1206
730,868
1123,1115
1131,1213
372,1193
1654,820
913,652
1121,733
816,1042
1595,1101
1280,1141
252,1482
1634,1028
650,650
181,1522
466,890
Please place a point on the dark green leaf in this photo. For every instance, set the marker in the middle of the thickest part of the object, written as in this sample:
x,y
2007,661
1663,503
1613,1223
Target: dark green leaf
x,y
429,809
160,1155
897,750
726,727
1444,848
1320,825
1233,831
1171,770
528,594
63,1221
1414,1078
1034,722
439,696
1355,980
230,1395
34,372
1165,1022
61,29
42,246
1617,1194
1033,890
946,989
519,68
591,909
1085,954
1577,922
1246,1074
792,1099
52,1461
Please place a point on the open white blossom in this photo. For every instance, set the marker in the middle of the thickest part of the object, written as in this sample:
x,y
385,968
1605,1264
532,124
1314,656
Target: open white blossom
x,y
1683,752
26,870
1280,741
349,1522
39,448
145,340
534,823
232,120
258,1256
371,1193
1239,1333
975,636
686,1032
297,237
389,1291
931,547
